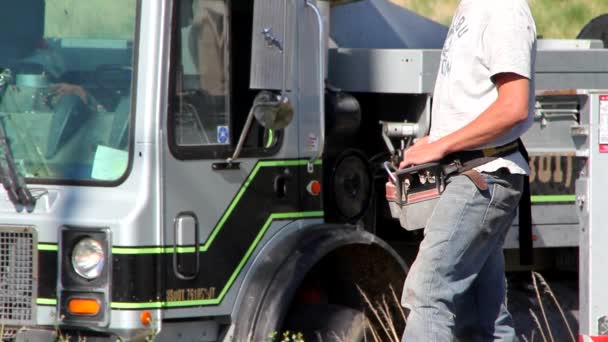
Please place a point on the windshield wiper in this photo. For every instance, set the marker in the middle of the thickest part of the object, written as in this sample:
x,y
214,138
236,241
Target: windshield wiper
x,y
13,181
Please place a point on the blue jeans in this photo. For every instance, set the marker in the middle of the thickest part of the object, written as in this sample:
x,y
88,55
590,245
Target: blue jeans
x,y
456,287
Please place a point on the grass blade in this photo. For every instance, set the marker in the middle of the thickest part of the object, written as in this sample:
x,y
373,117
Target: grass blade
x,y
542,307
535,318
548,290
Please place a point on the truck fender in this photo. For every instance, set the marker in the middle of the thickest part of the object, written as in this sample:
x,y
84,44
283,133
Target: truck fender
x,y
280,268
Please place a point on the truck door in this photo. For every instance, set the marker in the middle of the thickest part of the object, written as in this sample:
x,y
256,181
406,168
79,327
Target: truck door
x,y
216,213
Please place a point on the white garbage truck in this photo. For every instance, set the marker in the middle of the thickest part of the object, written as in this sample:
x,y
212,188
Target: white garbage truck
x,y
214,170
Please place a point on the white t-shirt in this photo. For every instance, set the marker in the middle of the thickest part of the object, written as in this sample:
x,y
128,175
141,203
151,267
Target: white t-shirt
x,y
486,38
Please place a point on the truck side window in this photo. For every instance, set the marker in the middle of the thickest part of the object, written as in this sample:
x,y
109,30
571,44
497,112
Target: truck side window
x,y
210,95
202,114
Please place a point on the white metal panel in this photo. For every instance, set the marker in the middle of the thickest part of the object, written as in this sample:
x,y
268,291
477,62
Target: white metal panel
x,y
405,71
267,49
413,71
592,199
569,44
307,82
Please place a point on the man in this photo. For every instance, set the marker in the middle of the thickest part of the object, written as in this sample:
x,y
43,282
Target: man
x,y
72,104
483,98
25,51
205,66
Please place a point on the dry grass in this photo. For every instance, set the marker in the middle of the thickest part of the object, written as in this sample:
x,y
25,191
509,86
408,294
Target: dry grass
x,y
542,292
542,309
386,316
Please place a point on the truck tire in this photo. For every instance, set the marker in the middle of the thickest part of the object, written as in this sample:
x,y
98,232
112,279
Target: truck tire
x,y
326,323
597,28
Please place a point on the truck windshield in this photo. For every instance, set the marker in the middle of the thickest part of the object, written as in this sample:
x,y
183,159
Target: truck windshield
x,y
65,95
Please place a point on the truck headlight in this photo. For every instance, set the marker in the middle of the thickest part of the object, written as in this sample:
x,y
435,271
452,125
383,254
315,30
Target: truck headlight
x,y
88,258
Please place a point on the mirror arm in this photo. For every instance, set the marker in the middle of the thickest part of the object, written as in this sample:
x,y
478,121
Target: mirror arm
x,y
243,136
284,55
247,128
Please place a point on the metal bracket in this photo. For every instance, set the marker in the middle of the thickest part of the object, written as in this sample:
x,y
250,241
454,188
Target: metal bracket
x,y
579,130
227,165
398,130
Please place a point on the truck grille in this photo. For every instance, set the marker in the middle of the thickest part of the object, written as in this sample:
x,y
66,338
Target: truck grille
x,y
18,271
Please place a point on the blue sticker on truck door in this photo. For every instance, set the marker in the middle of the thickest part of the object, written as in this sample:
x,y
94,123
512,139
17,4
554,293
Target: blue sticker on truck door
x,y
223,135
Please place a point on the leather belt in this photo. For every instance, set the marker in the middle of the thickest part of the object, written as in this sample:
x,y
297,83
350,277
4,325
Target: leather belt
x,y
466,160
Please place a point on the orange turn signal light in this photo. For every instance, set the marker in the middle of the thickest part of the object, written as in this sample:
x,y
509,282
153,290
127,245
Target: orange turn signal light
x,y
314,188
83,306
145,317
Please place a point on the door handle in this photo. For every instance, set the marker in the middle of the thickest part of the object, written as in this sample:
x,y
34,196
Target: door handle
x,y
185,230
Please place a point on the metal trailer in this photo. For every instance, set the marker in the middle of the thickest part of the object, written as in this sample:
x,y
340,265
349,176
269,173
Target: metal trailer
x,y
593,311
562,67
187,203
552,141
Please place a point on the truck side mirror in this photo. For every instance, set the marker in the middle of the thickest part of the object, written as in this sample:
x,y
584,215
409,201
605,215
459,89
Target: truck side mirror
x,y
272,110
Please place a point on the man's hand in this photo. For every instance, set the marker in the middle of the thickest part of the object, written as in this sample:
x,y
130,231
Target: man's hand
x,y
422,152
61,89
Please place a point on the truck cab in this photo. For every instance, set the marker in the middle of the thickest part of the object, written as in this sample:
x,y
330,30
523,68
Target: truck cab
x,y
143,198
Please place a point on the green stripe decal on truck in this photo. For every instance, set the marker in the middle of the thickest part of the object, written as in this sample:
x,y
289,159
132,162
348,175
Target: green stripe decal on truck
x,y
46,301
223,256
218,227
553,198
47,247
217,300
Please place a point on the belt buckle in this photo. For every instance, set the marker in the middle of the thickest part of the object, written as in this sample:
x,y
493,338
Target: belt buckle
x,y
452,167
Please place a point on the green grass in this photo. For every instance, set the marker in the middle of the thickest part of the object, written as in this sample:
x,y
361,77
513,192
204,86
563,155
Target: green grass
x,y
554,18
114,18
110,19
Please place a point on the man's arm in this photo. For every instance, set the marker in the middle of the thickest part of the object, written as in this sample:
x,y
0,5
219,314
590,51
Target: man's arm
x,y
509,109
61,89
